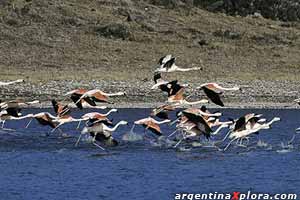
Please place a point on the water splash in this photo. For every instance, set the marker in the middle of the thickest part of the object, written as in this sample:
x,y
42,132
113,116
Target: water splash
x,y
261,143
131,136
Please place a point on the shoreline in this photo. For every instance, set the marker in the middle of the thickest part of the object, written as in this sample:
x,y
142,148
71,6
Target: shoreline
x,y
256,94
142,105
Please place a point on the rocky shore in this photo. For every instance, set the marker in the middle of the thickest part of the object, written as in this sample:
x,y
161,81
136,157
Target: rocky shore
x,y
254,94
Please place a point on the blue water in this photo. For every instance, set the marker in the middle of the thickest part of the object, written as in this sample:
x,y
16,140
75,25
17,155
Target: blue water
x,y
33,166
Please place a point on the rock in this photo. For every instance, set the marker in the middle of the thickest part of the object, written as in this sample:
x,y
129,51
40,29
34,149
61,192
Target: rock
x,y
115,30
228,34
286,10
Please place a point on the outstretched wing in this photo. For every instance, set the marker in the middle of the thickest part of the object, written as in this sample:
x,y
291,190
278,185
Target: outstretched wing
x,y
169,63
213,96
199,121
240,124
75,98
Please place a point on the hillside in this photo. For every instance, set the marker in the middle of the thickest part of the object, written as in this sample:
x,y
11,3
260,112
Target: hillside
x,y
114,45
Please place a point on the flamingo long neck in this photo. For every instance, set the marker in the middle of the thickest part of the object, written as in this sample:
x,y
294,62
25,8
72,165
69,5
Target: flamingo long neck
x,y
218,129
187,69
10,82
229,89
113,94
23,117
209,114
161,122
33,102
195,102
114,128
275,119
110,111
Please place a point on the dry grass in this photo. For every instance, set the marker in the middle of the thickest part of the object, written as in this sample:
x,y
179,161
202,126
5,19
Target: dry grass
x,y
55,40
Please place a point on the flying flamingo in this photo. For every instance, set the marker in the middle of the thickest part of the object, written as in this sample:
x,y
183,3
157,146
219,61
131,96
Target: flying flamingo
x,y
11,82
7,116
158,81
10,111
177,99
248,130
152,124
60,109
162,111
98,96
45,119
66,119
87,102
167,64
102,133
16,104
214,90
95,117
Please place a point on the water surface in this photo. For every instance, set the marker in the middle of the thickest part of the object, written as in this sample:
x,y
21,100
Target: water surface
x,y
33,166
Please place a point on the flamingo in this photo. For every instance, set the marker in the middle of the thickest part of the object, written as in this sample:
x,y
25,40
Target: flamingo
x,y
214,90
95,117
17,104
152,124
102,133
84,102
244,133
45,119
7,116
11,82
177,99
249,119
98,96
158,81
162,111
167,64
191,125
60,109
297,101
66,119
10,111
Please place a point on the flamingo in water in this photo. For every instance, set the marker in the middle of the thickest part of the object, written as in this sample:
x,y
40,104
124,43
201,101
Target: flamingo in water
x,y
151,124
167,64
9,115
102,133
95,117
248,130
11,82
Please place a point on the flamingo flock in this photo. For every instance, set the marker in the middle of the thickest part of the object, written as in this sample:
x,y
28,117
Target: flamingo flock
x,y
193,121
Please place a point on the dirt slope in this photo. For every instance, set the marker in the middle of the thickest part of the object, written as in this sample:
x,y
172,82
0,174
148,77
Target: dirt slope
x,y
118,43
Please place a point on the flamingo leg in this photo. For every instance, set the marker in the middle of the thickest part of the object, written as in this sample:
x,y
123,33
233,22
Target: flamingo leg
x,y
56,127
78,126
229,144
172,133
78,140
97,145
183,137
28,123
292,139
178,142
3,122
